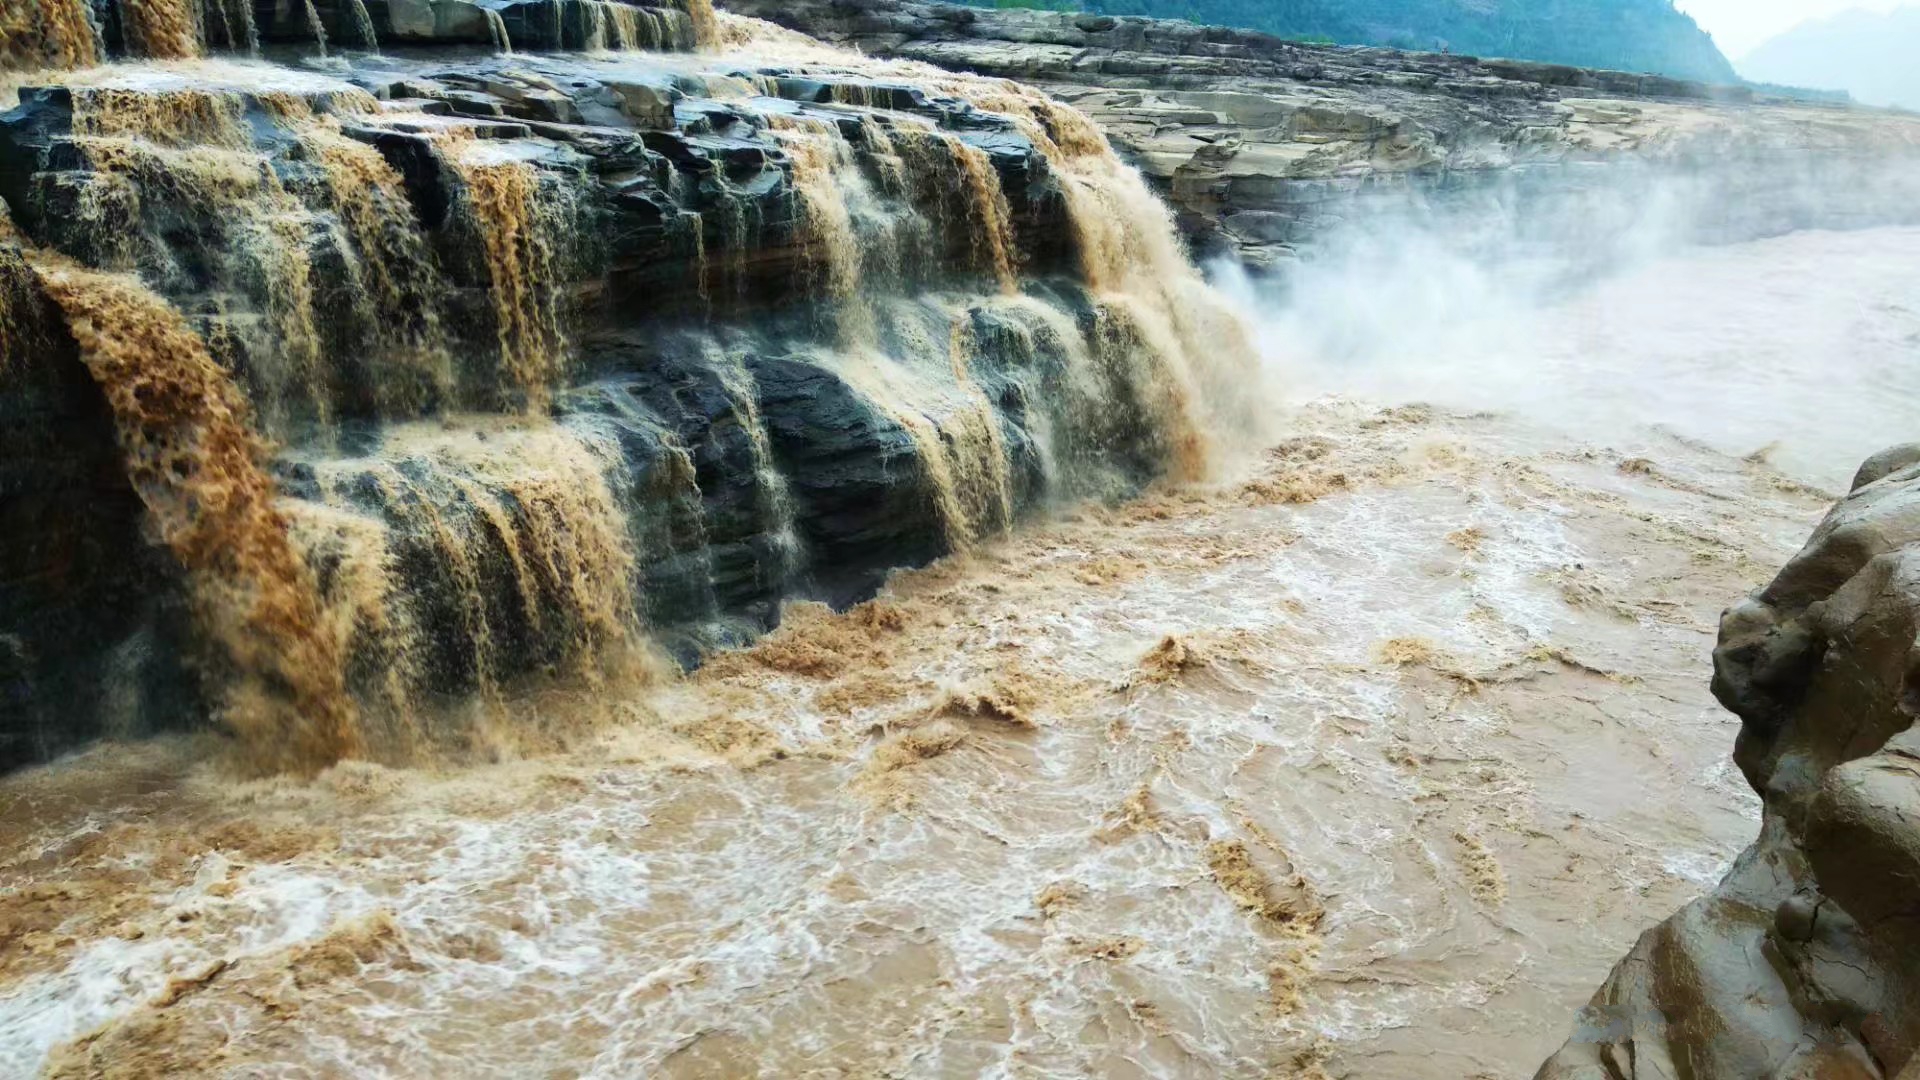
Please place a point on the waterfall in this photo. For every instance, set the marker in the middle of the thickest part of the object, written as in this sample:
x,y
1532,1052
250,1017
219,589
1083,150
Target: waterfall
x,y
595,15
541,407
313,24
1130,255
706,24
363,26
497,31
265,239
520,224
772,493
237,27
455,557
48,34
161,29
610,23
184,120
820,158
198,466
399,281
627,25
989,218
57,34
196,144
961,449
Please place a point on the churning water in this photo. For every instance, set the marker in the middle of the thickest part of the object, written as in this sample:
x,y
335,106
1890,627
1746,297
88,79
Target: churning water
x,y
1368,762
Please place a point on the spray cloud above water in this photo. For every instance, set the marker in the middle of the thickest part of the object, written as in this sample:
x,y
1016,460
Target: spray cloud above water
x,y
1633,306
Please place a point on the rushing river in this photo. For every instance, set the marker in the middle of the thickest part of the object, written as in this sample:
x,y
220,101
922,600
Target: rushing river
x,y
1368,761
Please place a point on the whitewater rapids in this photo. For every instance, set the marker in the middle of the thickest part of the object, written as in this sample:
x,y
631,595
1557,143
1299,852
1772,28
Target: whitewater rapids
x,y
1368,762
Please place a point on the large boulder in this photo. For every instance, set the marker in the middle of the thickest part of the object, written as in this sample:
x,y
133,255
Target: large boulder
x,y
1805,962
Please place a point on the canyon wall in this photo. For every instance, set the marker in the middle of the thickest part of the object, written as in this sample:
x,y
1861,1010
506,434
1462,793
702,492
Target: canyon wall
x,y
1266,147
1801,963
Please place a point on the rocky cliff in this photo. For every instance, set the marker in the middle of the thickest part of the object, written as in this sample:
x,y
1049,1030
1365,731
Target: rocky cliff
x,y
1265,146
1801,963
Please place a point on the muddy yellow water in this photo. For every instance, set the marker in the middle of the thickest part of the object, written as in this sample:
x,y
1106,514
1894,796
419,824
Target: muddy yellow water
x,y
1367,762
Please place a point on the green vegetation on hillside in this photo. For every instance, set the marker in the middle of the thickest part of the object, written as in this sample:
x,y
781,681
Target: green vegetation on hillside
x,y
1626,35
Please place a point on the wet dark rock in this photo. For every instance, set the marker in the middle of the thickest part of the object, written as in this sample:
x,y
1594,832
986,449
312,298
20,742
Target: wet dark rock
x,y
1802,962
1886,463
846,461
94,635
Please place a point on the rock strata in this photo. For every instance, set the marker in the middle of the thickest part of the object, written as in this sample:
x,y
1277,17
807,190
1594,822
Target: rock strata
x,y
1265,145
1801,964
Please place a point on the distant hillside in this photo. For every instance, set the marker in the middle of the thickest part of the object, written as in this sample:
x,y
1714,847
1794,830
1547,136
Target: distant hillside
x,y
1627,35
1872,55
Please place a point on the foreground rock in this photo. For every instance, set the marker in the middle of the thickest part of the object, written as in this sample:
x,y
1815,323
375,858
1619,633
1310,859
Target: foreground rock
x,y
1805,962
1266,145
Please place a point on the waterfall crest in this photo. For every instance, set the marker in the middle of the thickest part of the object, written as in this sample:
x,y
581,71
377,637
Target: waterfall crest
x,y
38,35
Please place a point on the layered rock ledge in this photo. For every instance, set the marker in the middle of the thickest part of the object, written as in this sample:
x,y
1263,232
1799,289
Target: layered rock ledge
x,y
1801,964
1265,145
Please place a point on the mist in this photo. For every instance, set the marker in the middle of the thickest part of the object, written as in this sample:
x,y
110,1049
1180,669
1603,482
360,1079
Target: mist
x,y
1617,316
1864,51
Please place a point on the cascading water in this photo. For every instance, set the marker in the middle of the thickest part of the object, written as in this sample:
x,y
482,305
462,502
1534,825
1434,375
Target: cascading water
x,y
540,394
167,156
48,34
37,35
497,32
199,467
317,28
395,285
231,22
369,38
520,226
161,29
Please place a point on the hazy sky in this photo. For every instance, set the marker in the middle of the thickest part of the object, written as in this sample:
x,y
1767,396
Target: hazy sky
x,y
1738,26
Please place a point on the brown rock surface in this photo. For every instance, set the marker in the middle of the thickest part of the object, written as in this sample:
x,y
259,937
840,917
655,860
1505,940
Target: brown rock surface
x,y
1805,962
